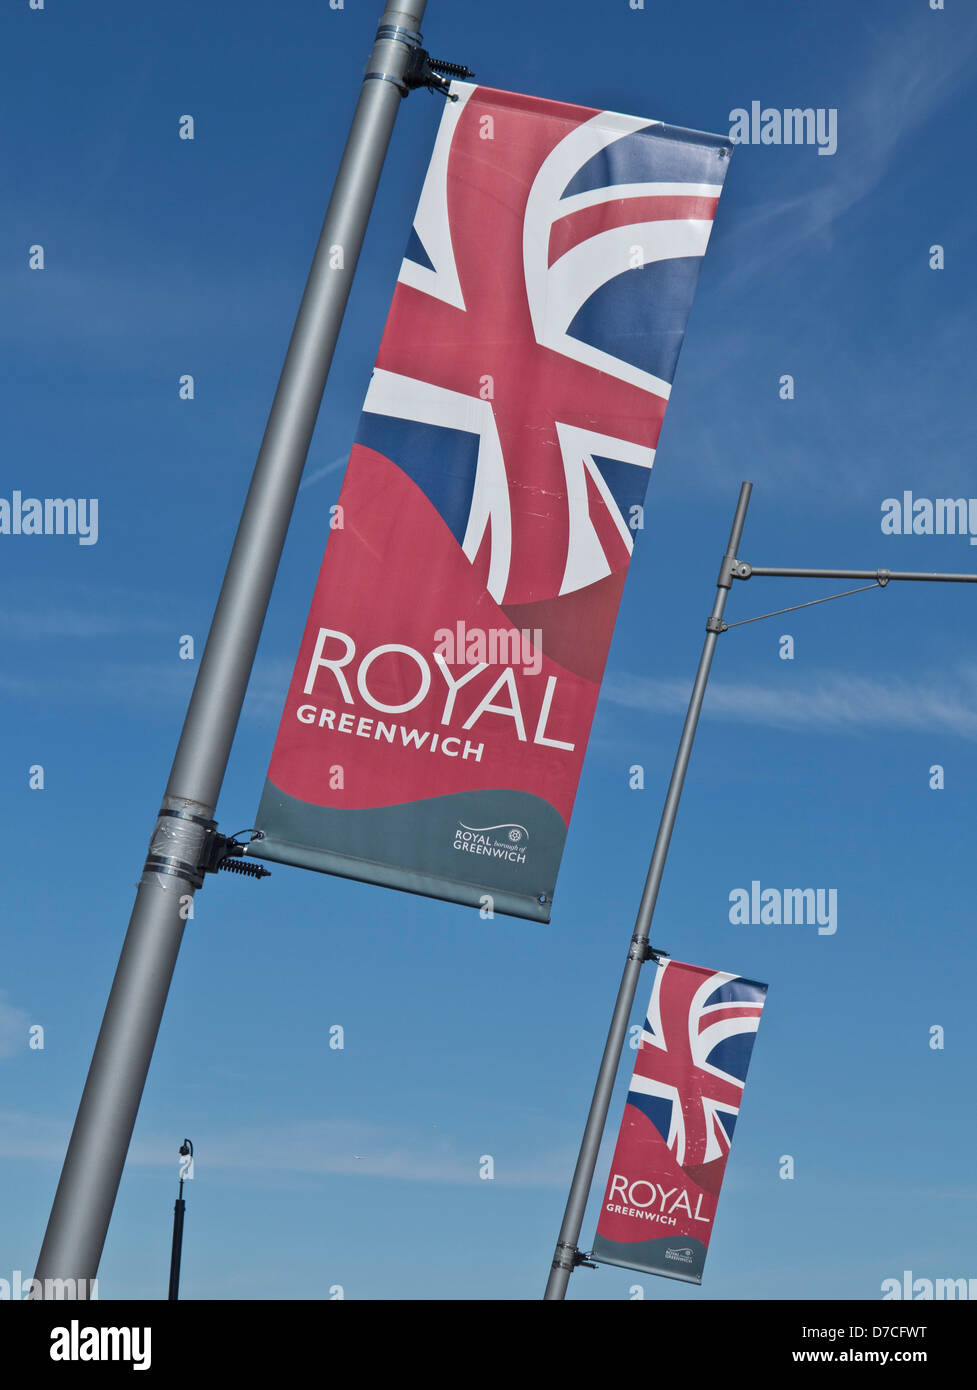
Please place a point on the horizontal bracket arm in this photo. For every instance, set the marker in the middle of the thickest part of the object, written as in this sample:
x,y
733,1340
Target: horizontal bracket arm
x,y
741,570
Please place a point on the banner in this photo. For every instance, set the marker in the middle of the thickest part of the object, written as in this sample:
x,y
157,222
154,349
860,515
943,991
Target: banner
x,y
685,1095
436,723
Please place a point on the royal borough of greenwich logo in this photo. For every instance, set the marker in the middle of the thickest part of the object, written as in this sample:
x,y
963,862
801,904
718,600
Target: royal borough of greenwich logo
x,y
508,841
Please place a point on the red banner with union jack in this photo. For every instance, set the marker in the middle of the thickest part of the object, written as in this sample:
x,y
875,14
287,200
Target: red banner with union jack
x,y
436,723
694,1052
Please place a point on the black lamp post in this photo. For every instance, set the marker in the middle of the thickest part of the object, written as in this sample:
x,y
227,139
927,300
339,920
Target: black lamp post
x,y
186,1170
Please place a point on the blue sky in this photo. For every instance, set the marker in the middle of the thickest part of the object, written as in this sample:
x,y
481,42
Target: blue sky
x,y
466,1037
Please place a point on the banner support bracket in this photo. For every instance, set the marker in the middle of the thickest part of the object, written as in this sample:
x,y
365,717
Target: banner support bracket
x,y
568,1257
433,73
421,69
642,950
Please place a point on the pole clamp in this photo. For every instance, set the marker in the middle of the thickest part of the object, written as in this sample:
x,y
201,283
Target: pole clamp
x,y
641,950
189,846
400,34
422,70
395,33
716,625
570,1258
731,569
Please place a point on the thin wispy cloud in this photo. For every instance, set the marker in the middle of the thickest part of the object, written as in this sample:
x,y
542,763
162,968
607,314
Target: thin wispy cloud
x,y
143,688
14,1024
346,1146
43,624
788,232
832,702
320,473
34,612
905,75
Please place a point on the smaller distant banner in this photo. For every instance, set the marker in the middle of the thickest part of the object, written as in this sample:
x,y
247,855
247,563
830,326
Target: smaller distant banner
x,y
661,1196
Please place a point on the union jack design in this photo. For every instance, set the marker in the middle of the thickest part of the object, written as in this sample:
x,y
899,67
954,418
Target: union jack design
x,y
670,1158
528,356
499,466
691,1065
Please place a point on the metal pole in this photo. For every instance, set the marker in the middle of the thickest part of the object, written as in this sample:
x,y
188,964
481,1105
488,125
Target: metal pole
x,y
567,1256
179,1206
103,1128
